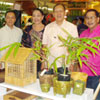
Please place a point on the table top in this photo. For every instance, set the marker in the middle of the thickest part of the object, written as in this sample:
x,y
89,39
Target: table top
x,y
36,90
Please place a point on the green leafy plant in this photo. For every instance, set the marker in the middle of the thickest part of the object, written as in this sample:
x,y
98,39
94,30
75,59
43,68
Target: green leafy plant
x,y
76,46
39,52
14,46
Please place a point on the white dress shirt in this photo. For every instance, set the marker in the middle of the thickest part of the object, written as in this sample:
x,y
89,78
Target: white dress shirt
x,y
50,37
9,36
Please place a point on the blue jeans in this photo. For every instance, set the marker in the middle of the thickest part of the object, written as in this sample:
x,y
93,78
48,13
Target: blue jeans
x,y
93,82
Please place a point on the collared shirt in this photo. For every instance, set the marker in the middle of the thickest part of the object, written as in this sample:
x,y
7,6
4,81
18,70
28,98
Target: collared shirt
x,y
50,37
93,61
9,36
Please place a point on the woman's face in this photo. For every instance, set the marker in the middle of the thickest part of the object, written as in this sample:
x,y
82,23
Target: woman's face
x,y
37,17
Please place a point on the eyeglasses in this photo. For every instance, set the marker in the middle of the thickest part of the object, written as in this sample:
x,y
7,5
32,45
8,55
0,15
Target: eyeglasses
x,y
91,18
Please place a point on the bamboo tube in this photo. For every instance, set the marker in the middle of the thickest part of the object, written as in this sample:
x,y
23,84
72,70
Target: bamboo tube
x,y
96,92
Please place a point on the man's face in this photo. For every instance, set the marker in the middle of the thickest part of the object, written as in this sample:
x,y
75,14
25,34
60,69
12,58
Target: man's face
x,y
91,20
59,13
10,19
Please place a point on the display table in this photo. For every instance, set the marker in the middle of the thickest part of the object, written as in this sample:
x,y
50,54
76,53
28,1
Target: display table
x,y
36,90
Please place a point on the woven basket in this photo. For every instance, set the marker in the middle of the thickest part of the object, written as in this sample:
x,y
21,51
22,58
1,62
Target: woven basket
x,y
79,76
46,79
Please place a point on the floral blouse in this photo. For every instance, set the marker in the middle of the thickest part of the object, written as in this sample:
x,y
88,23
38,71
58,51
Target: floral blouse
x,y
30,36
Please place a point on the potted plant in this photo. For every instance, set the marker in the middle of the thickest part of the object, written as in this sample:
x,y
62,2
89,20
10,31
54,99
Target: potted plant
x,y
62,81
75,47
40,53
45,76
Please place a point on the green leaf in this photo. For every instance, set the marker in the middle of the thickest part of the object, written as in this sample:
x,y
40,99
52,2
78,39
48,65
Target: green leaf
x,y
66,32
5,47
9,51
84,55
90,68
16,48
80,61
92,50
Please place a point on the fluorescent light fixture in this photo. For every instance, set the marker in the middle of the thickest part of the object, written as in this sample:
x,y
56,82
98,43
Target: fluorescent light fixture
x,y
6,3
2,11
48,8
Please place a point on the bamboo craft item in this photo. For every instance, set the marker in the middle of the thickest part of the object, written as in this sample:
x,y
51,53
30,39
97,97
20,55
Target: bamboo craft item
x,y
79,76
15,95
20,70
46,79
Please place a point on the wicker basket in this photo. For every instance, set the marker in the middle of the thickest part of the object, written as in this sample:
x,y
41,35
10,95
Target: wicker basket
x,y
46,79
20,70
15,95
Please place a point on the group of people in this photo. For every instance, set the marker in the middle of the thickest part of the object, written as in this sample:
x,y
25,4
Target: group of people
x,y
48,35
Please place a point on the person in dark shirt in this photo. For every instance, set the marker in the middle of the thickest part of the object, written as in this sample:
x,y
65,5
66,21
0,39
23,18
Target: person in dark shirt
x,y
81,27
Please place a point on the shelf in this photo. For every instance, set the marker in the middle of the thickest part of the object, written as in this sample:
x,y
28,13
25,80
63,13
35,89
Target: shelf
x,y
36,90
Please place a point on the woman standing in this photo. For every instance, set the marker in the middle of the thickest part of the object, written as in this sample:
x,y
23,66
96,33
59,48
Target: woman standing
x,y
34,32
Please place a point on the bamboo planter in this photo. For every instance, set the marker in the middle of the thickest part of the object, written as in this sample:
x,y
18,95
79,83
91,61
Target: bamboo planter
x,y
79,76
46,81
61,87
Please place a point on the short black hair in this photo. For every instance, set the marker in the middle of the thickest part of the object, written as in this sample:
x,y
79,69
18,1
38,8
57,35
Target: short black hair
x,y
38,10
96,12
44,20
10,11
82,19
58,5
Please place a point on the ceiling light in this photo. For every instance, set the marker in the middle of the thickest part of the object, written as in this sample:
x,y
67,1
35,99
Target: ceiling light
x,y
6,3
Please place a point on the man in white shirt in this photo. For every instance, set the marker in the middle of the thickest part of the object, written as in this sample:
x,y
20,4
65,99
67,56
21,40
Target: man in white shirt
x,y
52,30
9,33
